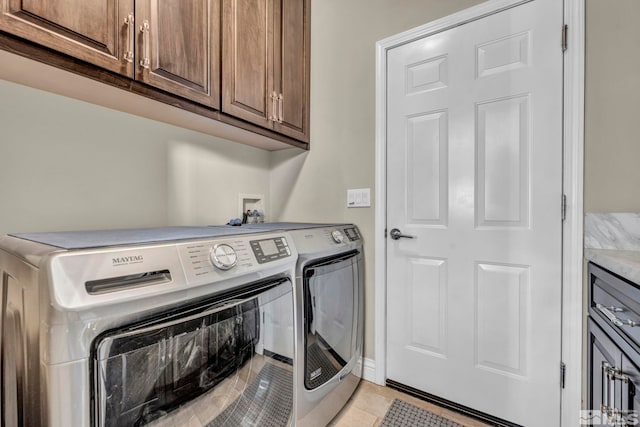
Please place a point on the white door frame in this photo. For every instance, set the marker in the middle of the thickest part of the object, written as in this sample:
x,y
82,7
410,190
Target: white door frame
x,y
573,179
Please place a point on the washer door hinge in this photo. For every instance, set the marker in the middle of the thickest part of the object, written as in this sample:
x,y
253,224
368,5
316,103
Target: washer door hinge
x,y
565,36
563,374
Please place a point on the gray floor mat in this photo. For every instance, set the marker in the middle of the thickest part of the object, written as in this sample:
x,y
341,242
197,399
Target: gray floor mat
x,y
267,401
403,414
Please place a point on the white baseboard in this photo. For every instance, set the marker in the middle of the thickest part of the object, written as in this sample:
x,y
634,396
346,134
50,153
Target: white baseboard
x,y
369,370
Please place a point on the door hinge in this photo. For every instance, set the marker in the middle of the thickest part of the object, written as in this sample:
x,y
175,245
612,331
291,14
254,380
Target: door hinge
x,y
563,374
565,36
385,233
564,207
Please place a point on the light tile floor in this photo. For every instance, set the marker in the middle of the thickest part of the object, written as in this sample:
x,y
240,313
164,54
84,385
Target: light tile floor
x,y
370,402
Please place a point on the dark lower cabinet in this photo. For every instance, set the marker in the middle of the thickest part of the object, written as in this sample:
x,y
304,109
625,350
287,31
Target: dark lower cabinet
x,y
613,353
630,399
604,357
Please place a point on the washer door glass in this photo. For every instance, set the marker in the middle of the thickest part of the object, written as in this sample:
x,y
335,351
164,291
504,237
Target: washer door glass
x,y
331,306
208,364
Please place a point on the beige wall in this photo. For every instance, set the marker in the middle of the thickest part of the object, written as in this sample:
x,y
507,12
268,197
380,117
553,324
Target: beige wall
x,y
66,164
612,110
312,186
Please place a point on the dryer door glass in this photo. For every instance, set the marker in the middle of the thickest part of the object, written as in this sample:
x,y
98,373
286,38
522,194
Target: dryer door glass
x,y
203,364
331,312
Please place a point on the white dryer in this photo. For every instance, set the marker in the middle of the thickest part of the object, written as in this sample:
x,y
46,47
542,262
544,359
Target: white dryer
x,y
167,326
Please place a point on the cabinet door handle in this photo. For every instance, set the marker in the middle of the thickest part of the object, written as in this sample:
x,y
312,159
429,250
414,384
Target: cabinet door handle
x,y
144,29
605,405
130,23
611,374
614,373
272,114
280,108
608,407
612,317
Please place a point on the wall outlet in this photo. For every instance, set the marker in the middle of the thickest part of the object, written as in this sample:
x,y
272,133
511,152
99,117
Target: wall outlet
x,y
359,198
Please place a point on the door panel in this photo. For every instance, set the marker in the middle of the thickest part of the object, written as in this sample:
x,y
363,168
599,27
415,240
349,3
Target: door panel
x,y
630,396
603,354
291,62
89,18
501,318
475,175
182,46
94,31
247,58
427,169
502,175
427,303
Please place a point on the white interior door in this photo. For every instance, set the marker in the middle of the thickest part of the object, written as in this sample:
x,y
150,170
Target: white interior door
x,y
474,169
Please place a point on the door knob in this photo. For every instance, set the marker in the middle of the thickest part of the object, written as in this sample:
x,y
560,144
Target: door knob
x,y
396,234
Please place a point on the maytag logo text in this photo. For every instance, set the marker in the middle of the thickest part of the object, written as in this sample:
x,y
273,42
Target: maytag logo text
x,y
133,259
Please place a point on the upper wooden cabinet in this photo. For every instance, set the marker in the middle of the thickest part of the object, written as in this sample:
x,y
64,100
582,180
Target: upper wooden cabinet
x,y
247,60
178,47
265,63
173,45
241,62
97,31
291,65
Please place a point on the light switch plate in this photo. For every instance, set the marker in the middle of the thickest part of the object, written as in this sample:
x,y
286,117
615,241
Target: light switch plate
x,y
359,198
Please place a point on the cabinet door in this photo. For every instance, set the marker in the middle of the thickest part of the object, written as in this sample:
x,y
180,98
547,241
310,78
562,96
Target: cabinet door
x,y
96,31
247,60
602,355
291,67
630,394
178,47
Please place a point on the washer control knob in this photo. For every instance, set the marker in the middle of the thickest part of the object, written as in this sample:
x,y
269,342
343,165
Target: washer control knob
x,y
337,235
223,256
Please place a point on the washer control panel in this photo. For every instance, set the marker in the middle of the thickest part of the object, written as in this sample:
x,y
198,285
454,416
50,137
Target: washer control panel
x,y
223,256
205,260
267,250
337,236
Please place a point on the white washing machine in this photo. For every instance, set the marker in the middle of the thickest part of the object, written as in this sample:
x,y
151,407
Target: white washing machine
x,y
330,290
164,327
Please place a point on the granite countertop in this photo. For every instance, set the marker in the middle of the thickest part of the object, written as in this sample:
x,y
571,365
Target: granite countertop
x,y
612,240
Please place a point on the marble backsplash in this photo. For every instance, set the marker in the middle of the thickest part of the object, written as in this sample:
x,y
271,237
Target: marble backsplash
x,y
612,231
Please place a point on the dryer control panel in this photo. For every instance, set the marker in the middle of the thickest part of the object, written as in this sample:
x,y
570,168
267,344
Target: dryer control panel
x,y
267,250
352,233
